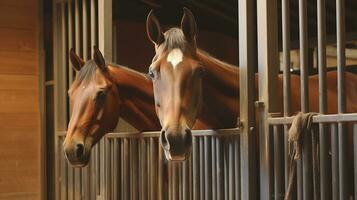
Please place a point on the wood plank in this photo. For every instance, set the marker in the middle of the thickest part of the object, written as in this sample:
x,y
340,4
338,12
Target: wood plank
x,y
18,82
23,3
18,17
19,101
18,40
18,63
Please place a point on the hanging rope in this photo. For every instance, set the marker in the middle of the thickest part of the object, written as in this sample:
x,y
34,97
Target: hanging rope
x,y
302,124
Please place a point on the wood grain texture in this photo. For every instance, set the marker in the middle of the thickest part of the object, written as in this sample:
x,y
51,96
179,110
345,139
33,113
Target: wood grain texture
x,y
20,136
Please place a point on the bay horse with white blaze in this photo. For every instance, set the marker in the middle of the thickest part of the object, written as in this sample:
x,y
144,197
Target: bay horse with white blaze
x,y
193,88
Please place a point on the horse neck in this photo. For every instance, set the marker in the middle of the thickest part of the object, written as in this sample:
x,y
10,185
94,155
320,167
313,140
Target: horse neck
x,y
136,98
220,87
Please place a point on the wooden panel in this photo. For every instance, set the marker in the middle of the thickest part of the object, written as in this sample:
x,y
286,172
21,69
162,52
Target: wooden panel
x,y
17,17
17,40
18,101
18,62
20,143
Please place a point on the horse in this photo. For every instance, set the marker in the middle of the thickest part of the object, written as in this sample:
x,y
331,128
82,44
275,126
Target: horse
x,y
99,95
192,88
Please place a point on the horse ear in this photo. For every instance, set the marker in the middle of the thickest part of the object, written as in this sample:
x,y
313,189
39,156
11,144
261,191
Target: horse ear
x,y
99,59
76,61
188,25
153,29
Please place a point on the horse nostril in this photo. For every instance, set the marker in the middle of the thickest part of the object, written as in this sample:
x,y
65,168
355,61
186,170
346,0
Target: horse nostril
x,y
164,141
79,150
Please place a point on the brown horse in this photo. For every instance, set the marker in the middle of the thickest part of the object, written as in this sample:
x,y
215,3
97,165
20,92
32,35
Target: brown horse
x,y
100,94
192,88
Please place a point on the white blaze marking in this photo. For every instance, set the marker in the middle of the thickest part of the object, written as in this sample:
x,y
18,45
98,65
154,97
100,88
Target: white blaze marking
x,y
175,57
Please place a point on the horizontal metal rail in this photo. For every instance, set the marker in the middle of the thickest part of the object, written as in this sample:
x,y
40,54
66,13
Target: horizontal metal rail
x,y
330,118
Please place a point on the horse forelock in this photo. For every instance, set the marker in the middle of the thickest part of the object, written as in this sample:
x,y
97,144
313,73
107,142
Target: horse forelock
x,y
85,75
175,39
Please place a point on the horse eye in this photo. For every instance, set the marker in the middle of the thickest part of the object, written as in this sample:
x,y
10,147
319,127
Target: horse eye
x,y
101,95
151,74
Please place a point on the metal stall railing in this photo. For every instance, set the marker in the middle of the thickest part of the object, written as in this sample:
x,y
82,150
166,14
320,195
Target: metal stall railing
x,y
135,168
334,175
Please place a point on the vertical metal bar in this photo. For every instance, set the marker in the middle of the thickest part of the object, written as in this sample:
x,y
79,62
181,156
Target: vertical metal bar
x,y
341,94
70,39
268,67
64,179
237,167
144,168
247,61
185,179
107,167
116,160
226,166
105,28
325,179
85,29
77,174
195,168
220,169
335,165
126,171
207,168
306,156
286,80
214,166
355,157
135,169
278,164
202,169
93,24
175,169
153,146
231,168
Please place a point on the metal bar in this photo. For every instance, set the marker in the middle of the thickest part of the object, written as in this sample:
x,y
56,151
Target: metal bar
x,y
303,56
335,159
355,157
247,61
85,29
107,166
126,171
105,28
286,56
304,84
208,168
153,146
268,68
70,39
135,170
116,172
325,180
93,24
278,164
197,133
341,94
231,176
214,166
237,167
144,168
226,170
195,168
202,169
185,180
163,179
63,175
330,118
220,169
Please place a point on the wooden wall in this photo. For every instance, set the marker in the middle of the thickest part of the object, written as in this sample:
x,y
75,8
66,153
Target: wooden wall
x,y
20,138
